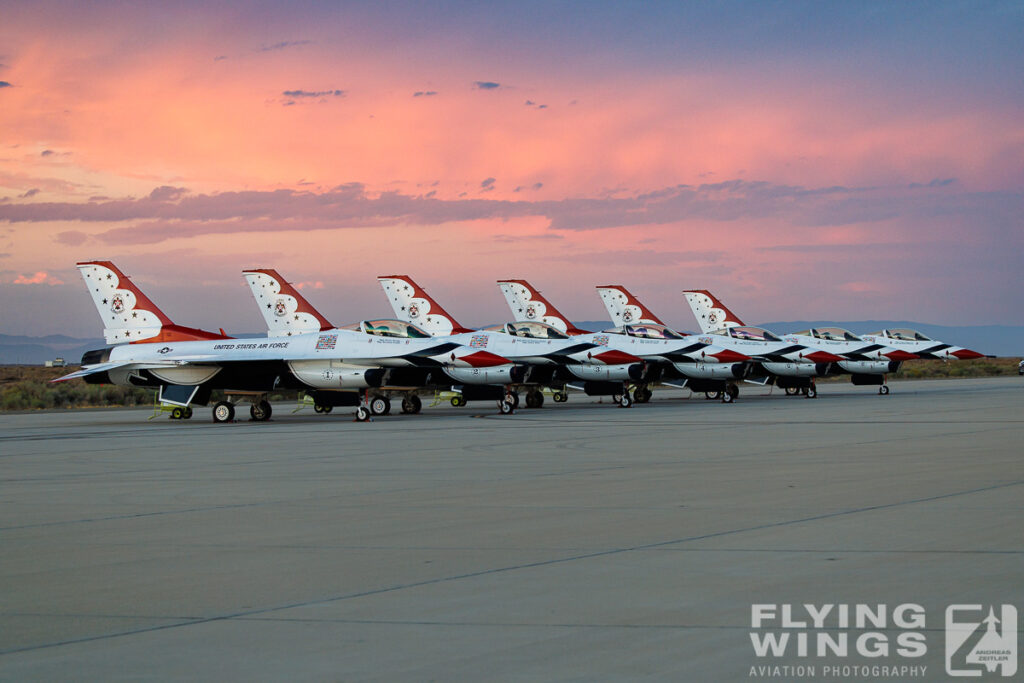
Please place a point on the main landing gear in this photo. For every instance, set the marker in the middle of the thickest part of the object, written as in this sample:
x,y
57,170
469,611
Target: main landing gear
x,y
727,395
411,404
642,394
259,410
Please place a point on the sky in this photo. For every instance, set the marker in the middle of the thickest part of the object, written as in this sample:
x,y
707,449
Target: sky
x,y
801,160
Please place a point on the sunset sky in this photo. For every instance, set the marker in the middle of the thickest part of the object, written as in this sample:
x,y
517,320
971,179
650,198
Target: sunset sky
x,y
803,161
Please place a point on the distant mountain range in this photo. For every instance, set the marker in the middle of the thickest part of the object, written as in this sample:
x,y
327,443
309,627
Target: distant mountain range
x,y
993,340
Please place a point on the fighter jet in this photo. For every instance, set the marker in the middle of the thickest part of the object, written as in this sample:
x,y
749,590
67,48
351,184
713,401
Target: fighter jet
x,y
185,364
555,359
669,355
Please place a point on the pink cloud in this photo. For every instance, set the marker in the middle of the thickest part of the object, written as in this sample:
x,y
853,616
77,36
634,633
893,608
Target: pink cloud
x,y
40,278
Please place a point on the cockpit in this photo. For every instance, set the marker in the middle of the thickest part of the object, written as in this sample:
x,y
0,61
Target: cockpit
x,y
905,335
645,331
749,334
389,328
830,334
529,329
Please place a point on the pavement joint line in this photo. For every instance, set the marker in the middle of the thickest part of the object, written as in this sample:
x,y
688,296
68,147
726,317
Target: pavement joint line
x,y
500,570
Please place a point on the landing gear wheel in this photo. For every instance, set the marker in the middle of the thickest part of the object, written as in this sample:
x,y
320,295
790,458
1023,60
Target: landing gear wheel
x,y
512,398
712,395
812,392
458,401
732,391
380,405
726,397
534,399
883,390
792,391
560,397
625,401
642,395
177,413
223,412
647,395
188,413
260,412
411,405
505,407
616,398
362,414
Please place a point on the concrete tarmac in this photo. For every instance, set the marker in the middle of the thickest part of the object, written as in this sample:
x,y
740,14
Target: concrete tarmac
x,y
580,541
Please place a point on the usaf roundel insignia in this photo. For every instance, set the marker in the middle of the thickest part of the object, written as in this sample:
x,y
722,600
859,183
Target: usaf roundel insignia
x,y
414,310
280,309
531,312
117,304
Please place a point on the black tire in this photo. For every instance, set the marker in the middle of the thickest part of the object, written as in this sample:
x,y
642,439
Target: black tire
x,y
534,399
812,392
188,413
512,398
505,407
223,412
380,405
177,413
362,414
883,390
712,395
417,405
726,397
260,412
792,391
647,395
616,398
625,401
560,397
641,395
318,408
733,391
458,401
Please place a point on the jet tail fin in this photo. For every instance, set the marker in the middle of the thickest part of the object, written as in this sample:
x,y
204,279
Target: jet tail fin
x,y
711,314
624,308
284,309
527,303
414,305
129,315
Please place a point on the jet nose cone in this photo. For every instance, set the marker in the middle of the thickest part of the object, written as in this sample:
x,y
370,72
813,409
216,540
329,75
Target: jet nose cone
x,y
613,357
900,355
822,357
484,359
729,356
967,354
